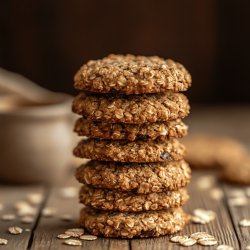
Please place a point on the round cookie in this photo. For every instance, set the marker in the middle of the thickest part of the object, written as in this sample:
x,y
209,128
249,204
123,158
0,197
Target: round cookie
x,y
129,225
209,151
143,178
238,170
127,151
122,131
113,200
135,109
130,74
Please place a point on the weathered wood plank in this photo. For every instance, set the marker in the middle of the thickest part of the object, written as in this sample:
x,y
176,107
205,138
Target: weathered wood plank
x,y
238,213
48,228
9,195
222,227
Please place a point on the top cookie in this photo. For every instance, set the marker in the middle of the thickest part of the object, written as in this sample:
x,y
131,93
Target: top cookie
x,y
130,74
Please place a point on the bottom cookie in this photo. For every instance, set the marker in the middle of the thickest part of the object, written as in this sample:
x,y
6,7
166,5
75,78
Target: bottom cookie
x,y
129,225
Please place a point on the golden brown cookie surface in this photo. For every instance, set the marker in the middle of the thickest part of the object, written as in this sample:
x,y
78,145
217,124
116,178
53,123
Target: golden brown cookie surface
x,y
127,151
121,131
132,75
129,225
135,109
113,200
141,178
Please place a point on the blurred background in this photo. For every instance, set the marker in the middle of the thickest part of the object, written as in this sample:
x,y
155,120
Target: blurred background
x,y
47,41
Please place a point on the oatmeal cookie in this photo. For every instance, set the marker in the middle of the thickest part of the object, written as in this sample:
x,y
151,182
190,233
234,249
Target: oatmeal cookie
x,y
141,178
127,151
130,74
113,200
134,109
129,225
211,151
238,170
122,131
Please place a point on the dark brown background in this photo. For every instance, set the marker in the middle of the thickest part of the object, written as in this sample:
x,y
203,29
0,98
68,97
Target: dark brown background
x,y
47,41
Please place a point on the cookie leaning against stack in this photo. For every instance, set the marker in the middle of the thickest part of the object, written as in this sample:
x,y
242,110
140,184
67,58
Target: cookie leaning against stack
x,y
135,183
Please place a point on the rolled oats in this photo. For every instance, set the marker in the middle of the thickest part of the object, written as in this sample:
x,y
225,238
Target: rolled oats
x,y
144,224
141,178
75,232
8,217
3,241
15,230
244,223
149,108
125,151
132,75
224,247
109,200
88,237
72,242
63,236
121,131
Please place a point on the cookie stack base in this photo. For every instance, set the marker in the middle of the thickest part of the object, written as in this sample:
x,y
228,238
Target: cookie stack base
x,y
129,225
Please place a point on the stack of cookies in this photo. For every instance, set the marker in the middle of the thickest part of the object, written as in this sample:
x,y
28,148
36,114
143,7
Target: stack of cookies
x,y
135,183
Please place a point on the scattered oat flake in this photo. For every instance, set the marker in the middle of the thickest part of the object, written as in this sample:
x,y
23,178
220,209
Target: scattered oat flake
x,y
198,220
203,216
75,232
49,211
35,198
247,247
8,217
69,192
238,201
236,193
63,236
216,194
188,242
208,242
71,242
200,235
15,230
224,247
24,208
244,223
27,229
178,238
66,217
206,182
3,241
27,219
88,237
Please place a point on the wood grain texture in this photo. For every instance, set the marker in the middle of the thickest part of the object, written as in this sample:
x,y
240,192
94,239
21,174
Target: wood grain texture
x,y
238,213
222,227
48,228
9,195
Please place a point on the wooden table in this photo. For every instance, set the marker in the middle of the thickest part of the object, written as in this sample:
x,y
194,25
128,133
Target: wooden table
x,y
233,121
